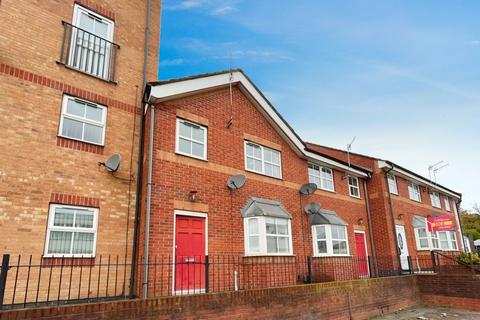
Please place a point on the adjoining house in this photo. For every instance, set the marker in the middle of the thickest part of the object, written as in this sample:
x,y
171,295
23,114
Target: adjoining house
x,y
71,77
411,215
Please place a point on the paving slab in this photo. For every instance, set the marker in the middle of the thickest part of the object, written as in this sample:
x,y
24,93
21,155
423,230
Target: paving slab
x,y
431,313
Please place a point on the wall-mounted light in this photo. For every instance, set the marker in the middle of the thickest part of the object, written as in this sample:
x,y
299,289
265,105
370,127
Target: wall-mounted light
x,y
192,196
360,222
400,216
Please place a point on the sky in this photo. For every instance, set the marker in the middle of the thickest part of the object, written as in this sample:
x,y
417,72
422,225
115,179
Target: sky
x,y
403,77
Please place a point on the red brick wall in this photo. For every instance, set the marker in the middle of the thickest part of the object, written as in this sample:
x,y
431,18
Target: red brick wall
x,y
454,290
340,300
174,176
38,167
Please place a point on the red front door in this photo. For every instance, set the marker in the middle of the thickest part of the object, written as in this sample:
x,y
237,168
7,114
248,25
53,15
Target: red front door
x,y
190,254
361,254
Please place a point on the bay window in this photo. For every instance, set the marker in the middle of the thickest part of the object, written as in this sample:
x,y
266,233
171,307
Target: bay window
x,y
267,236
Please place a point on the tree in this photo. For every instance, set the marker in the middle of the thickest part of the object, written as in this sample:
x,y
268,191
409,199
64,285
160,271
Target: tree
x,y
471,224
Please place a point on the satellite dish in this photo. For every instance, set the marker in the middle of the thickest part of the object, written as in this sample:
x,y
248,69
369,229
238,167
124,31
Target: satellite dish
x,y
312,207
113,163
236,182
308,188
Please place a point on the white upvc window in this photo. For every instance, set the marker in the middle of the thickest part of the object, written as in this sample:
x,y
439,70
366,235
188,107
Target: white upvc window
x,y
353,187
263,160
267,236
447,203
414,192
83,120
330,240
392,184
91,43
434,244
423,240
448,240
191,139
321,176
71,232
435,199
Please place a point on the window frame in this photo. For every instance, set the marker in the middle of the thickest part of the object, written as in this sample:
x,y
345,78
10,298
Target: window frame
x,y
73,229
329,239
446,203
319,176
191,140
434,196
418,238
63,112
395,183
262,233
350,186
262,160
77,11
431,236
414,187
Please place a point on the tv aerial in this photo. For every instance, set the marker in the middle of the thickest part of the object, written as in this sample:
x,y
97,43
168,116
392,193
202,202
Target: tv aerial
x,y
434,168
112,164
308,188
236,182
312,207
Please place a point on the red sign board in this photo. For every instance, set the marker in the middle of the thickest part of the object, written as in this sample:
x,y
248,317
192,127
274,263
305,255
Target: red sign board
x,y
440,223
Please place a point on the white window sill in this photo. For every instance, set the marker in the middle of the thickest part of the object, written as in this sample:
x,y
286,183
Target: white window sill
x,y
332,256
190,156
356,197
394,193
69,256
80,140
415,200
328,190
263,174
250,255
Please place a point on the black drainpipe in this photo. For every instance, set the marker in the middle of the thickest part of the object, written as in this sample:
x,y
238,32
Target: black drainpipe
x,y
370,229
393,219
140,155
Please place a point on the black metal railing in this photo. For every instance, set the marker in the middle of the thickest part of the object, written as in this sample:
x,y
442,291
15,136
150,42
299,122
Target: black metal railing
x,y
28,281
88,53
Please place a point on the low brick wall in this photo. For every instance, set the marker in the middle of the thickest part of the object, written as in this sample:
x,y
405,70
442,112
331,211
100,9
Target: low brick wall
x,y
451,290
358,299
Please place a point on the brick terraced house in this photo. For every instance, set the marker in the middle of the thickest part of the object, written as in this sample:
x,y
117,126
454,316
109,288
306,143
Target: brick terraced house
x,y
210,127
71,79
403,204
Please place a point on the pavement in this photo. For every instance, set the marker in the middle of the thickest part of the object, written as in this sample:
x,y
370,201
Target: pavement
x,y
430,313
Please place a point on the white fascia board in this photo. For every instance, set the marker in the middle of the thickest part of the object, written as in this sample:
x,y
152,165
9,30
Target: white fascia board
x,y
167,91
383,164
313,157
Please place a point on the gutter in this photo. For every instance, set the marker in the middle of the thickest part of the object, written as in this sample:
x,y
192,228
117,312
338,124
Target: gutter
x,y
370,228
140,155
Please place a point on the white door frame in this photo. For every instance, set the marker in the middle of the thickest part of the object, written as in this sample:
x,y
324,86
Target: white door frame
x,y
197,214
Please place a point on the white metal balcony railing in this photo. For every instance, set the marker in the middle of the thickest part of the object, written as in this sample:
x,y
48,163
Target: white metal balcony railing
x,y
86,52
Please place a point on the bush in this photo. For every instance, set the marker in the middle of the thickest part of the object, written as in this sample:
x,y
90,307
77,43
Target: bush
x,y
469,258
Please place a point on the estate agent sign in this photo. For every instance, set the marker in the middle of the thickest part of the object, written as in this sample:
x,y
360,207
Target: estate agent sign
x,y
440,223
